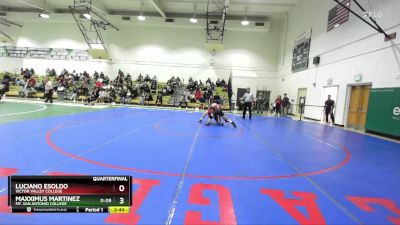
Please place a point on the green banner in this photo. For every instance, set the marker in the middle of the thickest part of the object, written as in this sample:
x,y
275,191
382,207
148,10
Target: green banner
x,y
384,111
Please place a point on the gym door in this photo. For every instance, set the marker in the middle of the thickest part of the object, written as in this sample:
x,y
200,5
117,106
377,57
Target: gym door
x,y
301,94
358,106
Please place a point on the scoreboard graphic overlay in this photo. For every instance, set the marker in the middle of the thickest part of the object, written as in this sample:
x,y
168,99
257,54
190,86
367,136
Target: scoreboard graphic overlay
x,y
77,194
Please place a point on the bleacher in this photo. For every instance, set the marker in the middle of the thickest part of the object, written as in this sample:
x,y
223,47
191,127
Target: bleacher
x,y
168,101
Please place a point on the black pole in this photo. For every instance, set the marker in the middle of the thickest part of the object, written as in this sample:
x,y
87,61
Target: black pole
x,y
372,19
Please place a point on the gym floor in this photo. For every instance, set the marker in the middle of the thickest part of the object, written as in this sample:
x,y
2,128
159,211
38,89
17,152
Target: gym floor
x,y
266,171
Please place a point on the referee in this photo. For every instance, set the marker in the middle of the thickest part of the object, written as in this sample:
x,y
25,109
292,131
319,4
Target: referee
x,y
248,99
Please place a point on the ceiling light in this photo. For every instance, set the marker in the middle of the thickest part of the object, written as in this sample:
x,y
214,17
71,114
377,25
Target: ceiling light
x,y
44,15
87,16
96,46
141,17
245,22
193,20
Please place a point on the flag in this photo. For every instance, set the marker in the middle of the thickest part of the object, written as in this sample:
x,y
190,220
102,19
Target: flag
x,y
338,15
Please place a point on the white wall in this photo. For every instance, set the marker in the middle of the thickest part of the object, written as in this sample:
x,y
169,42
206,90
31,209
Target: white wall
x,y
353,48
158,50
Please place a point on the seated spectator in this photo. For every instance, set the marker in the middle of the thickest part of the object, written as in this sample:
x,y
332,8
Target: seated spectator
x,y
147,78
47,72
139,79
184,98
92,98
4,86
74,94
85,74
212,86
48,91
63,72
218,83
153,84
96,75
123,94
159,98
128,77
148,97
31,82
142,98
99,83
27,74
203,101
53,72
84,89
76,77
106,79
198,94
223,83
192,97
128,80
61,91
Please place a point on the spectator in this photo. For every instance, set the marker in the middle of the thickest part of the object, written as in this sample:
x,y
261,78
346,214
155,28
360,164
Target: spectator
x,y
53,72
61,92
74,94
218,83
47,72
184,98
99,83
278,104
285,105
26,74
159,98
147,78
260,103
198,94
223,83
4,86
48,91
31,82
139,79
328,109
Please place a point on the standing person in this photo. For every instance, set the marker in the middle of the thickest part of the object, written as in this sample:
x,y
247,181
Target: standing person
x,y
278,104
260,103
4,86
159,98
248,99
328,108
48,91
285,105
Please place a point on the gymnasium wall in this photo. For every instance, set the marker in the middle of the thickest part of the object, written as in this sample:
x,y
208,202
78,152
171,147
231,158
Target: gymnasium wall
x,y
157,50
350,49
